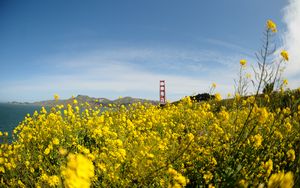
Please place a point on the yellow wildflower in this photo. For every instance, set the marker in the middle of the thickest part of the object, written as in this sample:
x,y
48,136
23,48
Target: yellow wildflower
x,y
180,180
75,101
285,55
281,180
278,135
243,62
55,141
291,155
288,126
44,177
47,151
268,166
78,172
243,183
190,136
21,184
2,160
56,97
27,163
214,85
285,82
272,26
2,169
218,97
257,140
53,181
207,177
263,115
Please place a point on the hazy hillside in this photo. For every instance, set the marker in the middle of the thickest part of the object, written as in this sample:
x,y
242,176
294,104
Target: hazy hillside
x,y
93,101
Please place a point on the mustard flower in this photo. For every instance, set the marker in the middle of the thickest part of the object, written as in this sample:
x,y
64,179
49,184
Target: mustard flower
x,y
78,172
281,180
218,97
248,75
1,160
271,26
243,183
44,177
53,181
55,141
263,115
47,151
31,170
291,155
180,180
190,137
243,62
21,184
268,166
207,177
75,101
2,169
285,55
288,126
257,140
56,97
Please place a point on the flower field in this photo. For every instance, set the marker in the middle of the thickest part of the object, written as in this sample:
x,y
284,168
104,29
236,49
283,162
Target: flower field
x,y
245,141
180,145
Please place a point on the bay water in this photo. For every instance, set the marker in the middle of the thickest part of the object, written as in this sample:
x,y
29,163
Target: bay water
x,y
12,114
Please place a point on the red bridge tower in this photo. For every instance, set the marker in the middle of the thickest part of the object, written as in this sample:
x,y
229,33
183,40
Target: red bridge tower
x,y
162,92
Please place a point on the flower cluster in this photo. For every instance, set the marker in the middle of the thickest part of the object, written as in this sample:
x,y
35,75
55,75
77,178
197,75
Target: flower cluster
x,y
145,145
78,172
281,180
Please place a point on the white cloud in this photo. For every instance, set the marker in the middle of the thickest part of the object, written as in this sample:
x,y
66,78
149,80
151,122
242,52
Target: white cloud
x,y
292,41
163,58
130,72
228,45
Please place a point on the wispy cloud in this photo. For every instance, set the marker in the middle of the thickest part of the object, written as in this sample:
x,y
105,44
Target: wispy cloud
x,y
231,46
292,41
131,71
151,58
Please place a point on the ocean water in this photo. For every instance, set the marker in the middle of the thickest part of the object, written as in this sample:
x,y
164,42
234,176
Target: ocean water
x,y
12,114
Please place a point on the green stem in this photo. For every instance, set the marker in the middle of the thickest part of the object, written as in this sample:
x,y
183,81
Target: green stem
x,y
258,88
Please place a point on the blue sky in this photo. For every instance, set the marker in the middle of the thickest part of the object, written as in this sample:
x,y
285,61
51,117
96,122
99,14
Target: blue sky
x,y
123,48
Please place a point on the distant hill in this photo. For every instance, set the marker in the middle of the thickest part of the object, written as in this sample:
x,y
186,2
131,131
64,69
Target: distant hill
x,y
93,101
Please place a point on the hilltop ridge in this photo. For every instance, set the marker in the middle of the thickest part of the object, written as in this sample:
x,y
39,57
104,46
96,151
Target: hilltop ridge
x,y
91,100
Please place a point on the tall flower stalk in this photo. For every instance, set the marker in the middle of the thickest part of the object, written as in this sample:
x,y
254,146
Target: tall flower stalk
x,y
241,85
267,75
